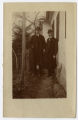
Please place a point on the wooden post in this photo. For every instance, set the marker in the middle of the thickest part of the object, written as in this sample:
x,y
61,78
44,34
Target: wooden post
x,y
23,49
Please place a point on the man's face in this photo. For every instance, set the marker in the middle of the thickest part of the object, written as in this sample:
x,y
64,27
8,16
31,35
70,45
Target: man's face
x,y
37,32
50,35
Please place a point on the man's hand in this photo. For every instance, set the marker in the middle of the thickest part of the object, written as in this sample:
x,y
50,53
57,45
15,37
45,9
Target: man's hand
x,y
37,67
54,56
43,50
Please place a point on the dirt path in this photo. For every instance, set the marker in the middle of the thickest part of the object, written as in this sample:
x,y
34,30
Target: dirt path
x,y
39,87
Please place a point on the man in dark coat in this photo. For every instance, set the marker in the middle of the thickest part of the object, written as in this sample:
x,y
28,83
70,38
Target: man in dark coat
x,y
51,51
38,47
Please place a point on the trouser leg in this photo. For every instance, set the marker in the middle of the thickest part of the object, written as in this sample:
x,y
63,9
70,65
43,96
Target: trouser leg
x,y
49,68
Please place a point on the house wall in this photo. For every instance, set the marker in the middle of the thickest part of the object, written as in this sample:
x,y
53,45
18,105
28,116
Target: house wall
x,y
61,69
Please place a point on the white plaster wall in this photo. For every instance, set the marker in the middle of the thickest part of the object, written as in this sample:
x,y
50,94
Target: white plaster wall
x,y
61,46
62,40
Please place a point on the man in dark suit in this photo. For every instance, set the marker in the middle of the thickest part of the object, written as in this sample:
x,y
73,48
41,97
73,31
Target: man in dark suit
x,y
51,51
38,47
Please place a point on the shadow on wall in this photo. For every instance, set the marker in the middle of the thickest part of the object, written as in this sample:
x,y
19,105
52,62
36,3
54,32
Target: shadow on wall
x,y
61,75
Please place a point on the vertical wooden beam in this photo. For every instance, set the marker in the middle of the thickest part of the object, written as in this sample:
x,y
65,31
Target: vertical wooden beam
x,y
23,49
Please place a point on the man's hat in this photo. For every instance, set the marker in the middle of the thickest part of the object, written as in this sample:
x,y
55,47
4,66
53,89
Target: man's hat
x,y
50,31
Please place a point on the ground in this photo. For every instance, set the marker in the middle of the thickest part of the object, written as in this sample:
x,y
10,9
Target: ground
x,y
37,86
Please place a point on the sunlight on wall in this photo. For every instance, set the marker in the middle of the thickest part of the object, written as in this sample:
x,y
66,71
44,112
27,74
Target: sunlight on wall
x,y
61,45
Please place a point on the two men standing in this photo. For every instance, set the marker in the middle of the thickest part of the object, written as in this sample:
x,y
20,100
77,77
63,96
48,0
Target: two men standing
x,y
39,47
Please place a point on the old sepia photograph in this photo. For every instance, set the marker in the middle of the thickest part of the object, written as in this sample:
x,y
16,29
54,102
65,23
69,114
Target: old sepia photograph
x,y
38,54
39,60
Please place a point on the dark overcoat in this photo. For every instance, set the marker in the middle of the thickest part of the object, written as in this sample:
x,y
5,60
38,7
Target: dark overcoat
x,y
37,44
51,50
